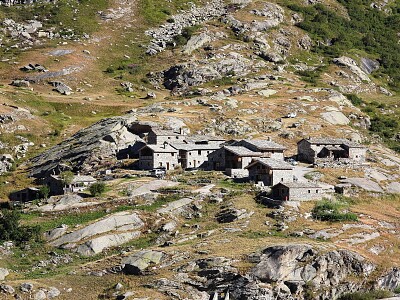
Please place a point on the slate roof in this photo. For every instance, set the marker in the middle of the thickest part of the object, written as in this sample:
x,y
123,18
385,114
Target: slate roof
x,y
83,178
265,144
273,164
165,132
193,146
332,141
203,138
160,148
299,184
242,151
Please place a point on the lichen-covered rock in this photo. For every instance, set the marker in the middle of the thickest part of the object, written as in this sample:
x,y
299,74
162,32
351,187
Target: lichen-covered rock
x,y
89,147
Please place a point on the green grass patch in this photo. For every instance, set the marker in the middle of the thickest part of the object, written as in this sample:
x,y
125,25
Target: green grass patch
x,y
371,295
332,211
368,30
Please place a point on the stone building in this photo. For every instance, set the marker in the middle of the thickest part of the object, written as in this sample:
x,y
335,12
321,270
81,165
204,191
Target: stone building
x,y
297,191
160,136
195,154
313,150
25,195
267,147
156,156
270,171
78,184
233,160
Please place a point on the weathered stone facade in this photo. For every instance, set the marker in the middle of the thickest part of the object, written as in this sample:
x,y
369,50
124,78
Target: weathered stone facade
x,y
160,136
156,156
297,191
316,149
267,147
269,171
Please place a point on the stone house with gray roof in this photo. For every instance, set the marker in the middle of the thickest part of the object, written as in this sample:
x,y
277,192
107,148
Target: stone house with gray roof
x,y
156,156
195,154
78,184
314,150
297,191
160,136
267,147
269,171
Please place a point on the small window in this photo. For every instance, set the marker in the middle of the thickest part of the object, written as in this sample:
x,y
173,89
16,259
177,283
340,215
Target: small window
x,y
309,191
282,179
208,152
317,191
169,137
177,137
190,153
199,152
160,164
190,163
158,154
172,154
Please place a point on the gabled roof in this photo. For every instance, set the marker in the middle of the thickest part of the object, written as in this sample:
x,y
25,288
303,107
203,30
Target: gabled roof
x,y
193,146
165,148
333,148
298,184
331,141
165,132
83,178
203,138
273,164
242,151
265,144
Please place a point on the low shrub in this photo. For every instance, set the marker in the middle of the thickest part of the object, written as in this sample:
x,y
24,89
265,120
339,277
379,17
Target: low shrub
x,y
333,211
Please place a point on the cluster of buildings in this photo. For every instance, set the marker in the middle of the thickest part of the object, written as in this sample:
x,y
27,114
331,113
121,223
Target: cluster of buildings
x,y
260,161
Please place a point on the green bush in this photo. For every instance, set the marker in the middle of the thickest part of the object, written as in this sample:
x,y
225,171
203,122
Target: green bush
x,y
333,211
354,99
371,295
11,230
97,188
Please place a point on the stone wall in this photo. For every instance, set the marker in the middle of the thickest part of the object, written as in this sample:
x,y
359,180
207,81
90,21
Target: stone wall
x,y
305,152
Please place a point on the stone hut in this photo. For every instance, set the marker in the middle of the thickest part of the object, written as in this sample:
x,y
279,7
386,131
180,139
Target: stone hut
x,y
78,184
156,156
267,147
270,171
313,150
25,195
195,155
160,136
233,160
297,191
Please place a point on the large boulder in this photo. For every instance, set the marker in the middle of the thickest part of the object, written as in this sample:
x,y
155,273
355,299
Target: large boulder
x,y
122,221
139,263
89,147
297,266
97,245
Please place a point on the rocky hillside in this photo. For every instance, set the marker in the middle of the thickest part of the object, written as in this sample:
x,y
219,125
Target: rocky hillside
x,y
81,81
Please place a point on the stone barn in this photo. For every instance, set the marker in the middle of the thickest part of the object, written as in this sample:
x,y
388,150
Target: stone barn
x,y
313,150
297,191
156,156
160,136
269,171
267,147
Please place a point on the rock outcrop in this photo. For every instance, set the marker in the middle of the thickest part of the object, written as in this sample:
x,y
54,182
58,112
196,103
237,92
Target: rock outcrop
x,y
114,230
283,272
89,147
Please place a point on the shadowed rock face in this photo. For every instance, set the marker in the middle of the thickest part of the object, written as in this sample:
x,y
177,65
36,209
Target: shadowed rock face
x,y
281,272
86,149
